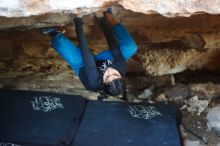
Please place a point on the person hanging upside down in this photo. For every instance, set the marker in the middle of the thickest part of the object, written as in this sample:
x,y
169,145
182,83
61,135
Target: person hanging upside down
x,y
104,72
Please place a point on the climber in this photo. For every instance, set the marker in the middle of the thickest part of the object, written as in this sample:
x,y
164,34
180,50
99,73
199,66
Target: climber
x,y
105,71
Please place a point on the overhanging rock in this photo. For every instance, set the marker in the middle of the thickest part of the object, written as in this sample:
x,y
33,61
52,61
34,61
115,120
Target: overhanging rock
x,y
169,8
166,45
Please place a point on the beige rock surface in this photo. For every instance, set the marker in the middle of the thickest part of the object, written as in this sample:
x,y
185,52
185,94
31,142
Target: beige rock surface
x,y
20,8
172,7
170,61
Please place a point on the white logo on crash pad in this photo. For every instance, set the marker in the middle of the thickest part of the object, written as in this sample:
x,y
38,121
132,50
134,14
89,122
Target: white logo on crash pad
x,y
8,144
144,112
46,103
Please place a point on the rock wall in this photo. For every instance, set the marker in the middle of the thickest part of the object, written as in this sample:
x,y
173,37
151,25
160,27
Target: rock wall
x,y
165,45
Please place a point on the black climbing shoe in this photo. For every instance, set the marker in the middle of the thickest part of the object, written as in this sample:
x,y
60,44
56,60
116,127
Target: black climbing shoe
x,y
108,11
48,31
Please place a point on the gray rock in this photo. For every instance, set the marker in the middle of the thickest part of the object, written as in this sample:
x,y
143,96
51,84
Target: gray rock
x,y
196,106
147,94
213,118
191,143
180,91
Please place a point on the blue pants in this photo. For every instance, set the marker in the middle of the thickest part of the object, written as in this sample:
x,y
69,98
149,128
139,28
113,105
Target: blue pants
x,y
72,54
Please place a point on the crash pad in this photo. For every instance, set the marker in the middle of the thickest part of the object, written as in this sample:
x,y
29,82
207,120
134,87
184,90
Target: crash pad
x,y
39,117
127,124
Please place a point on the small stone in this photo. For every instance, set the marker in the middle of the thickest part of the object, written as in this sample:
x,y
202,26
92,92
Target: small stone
x,y
183,107
196,106
191,143
151,101
137,100
161,98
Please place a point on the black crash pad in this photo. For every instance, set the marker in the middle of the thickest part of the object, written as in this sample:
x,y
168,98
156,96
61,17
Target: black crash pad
x,y
31,118
127,124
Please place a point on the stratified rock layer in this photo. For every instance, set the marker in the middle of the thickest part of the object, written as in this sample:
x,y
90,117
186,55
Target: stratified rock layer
x,y
165,45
